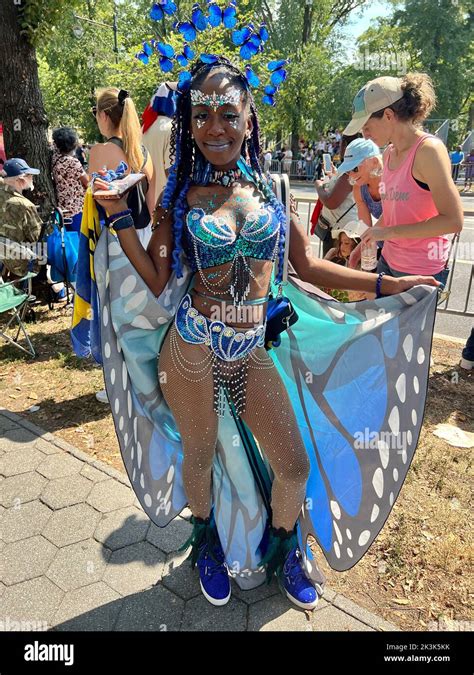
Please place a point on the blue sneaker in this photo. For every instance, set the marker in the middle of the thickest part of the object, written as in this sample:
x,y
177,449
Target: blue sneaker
x,y
298,588
215,582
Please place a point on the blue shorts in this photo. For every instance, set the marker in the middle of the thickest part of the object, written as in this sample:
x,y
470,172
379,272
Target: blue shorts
x,y
383,266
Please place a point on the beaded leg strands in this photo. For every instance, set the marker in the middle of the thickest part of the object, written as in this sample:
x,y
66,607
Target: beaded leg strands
x,y
229,354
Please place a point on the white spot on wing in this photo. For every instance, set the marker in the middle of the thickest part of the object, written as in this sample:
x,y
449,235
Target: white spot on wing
x,y
394,421
400,386
408,347
375,513
377,482
364,537
336,510
128,285
384,453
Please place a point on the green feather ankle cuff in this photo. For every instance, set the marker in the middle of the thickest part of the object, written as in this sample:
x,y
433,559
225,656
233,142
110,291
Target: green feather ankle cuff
x,y
280,543
204,532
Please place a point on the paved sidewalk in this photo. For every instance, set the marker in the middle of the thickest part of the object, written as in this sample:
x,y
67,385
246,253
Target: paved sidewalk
x,y
80,554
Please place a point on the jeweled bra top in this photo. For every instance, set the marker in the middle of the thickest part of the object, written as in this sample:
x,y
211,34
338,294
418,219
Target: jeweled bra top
x,y
210,241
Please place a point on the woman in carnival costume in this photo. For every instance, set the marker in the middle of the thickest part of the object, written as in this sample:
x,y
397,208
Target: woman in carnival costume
x,y
263,454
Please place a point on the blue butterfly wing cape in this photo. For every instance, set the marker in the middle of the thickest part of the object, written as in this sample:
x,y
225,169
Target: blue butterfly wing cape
x,y
357,378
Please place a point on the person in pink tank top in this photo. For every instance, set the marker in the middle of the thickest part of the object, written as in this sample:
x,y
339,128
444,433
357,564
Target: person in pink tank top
x,y
420,204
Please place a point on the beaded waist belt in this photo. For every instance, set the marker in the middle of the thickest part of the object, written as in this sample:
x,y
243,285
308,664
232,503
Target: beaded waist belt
x,y
226,342
257,301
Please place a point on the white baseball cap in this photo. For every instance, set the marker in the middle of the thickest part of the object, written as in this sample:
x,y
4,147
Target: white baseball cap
x,y
354,229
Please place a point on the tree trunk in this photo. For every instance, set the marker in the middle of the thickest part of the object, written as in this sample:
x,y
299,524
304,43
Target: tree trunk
x,y
25,124
295,128
307,19
279,138
295,139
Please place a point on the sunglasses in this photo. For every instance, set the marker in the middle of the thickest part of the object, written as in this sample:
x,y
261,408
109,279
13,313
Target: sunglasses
x,y
356,170
94,110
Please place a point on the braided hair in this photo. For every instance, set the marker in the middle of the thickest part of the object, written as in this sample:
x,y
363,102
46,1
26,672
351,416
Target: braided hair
x,y
188,158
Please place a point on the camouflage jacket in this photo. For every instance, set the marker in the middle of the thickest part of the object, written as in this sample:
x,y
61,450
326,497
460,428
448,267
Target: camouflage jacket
x,y
19,222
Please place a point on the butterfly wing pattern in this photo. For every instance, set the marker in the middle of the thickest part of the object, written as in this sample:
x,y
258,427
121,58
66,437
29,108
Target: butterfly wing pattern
x,y
357,376
348,369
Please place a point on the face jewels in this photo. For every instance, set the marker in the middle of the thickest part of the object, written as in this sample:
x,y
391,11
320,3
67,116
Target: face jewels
x,y
200,123
234,123
215,100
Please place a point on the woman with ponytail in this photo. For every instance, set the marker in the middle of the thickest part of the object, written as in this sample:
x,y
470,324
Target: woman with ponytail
x,y
118,121
220,216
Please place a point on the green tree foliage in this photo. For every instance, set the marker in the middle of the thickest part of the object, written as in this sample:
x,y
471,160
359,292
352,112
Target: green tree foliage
x,y
440,33
38,18
427,35
432,36
71,68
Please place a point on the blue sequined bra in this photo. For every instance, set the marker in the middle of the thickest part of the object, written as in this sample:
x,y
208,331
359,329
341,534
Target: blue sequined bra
x,y
211,240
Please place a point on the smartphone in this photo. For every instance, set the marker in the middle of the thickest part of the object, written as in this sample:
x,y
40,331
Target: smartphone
x,y
120,187
327,165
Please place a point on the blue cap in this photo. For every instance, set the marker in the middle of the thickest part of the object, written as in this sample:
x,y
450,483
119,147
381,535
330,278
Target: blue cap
x,y
356,152
17,167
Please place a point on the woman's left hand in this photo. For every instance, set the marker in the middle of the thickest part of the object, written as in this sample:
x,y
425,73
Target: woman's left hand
x,y
374,234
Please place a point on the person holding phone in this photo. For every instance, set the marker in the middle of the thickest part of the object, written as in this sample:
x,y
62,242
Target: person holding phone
x,y
337,204
118,121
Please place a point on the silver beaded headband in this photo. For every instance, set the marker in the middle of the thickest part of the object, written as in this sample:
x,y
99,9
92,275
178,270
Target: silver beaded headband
x,y
215,101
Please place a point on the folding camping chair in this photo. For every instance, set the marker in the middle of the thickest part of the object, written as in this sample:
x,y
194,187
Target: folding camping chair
x,y
15,297
14,301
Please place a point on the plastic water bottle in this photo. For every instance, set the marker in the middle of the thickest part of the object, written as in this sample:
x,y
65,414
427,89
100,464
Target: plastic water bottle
x,y
368,259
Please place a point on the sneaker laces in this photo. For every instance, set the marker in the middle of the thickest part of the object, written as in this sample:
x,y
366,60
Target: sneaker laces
x,y
293,568
213,567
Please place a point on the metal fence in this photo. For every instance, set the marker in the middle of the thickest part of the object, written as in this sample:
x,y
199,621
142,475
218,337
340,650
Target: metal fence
x,y
463,301
296,169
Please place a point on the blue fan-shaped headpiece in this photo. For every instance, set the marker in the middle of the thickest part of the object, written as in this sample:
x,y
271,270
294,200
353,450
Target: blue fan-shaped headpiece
x,y
248,40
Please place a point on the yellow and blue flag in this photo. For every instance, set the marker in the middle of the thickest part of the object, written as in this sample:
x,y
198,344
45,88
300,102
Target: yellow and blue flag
x,y
85,331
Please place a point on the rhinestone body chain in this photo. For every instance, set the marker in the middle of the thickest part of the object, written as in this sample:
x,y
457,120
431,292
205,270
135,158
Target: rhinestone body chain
x,y
227,375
